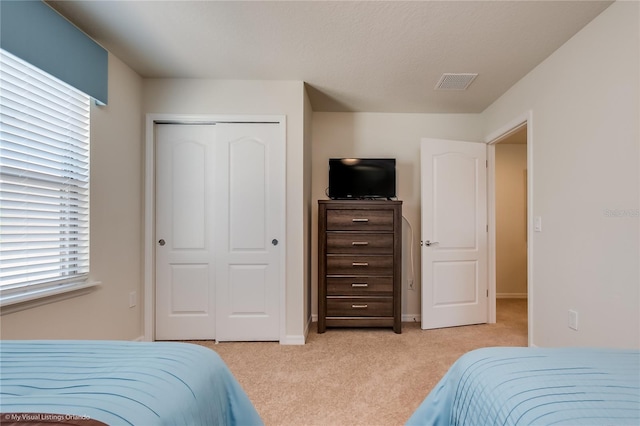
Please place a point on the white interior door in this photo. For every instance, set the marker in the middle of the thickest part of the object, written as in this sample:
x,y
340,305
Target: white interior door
x,y
249,201
185,219
454,233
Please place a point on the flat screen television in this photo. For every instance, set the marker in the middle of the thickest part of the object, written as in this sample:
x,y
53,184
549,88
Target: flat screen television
x,y
362,178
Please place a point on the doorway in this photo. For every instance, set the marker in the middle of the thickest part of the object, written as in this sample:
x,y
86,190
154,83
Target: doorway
x,y
510,223
511,229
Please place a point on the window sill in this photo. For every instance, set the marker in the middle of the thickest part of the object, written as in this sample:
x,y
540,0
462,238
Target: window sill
x,y
17,301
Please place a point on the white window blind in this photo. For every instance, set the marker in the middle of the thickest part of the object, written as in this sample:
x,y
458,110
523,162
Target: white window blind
x,y
44,183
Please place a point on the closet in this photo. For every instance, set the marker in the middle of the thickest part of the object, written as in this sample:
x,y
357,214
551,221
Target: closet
x,y
219,230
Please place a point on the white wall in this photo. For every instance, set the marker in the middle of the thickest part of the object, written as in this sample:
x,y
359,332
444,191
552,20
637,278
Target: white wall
x,y
585,134
385,135
116,219
194,96
511,220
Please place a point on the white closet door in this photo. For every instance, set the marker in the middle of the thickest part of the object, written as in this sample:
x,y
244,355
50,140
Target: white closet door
x,y
249,204
186,220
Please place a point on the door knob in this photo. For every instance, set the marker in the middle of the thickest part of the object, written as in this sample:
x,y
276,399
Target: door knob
x,y
274,242
430,243
162,242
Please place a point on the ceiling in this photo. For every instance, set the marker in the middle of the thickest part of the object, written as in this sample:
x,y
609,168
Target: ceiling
x,y
361,56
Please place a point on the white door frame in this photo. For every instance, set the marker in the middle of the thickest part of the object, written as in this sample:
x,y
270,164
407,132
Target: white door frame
x,y
492,139
150,202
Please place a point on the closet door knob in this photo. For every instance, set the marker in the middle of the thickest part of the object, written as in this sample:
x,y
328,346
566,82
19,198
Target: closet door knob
x,y
162,242
274,242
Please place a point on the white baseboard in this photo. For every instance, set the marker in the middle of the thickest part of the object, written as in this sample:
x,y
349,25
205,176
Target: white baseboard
x,y
293,340
139,339
511,295
411,318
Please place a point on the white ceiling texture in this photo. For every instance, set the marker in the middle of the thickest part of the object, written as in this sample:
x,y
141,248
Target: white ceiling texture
x,y
361,56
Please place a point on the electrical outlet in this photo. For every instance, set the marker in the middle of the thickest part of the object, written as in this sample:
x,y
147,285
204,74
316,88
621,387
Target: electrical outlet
x,y
133,299
573,320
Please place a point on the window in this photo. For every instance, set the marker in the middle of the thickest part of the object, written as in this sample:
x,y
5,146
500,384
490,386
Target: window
x,y
44,184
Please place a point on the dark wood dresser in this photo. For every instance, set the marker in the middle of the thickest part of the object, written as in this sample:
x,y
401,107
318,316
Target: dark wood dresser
x,y
359,264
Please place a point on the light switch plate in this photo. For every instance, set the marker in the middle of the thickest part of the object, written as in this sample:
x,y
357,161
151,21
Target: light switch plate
x,y
537,224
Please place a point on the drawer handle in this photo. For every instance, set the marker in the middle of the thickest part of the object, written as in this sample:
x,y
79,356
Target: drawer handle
x,y
360,264
360,243
359,306
359,220
359,285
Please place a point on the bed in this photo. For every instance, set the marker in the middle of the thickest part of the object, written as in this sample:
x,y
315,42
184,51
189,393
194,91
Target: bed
x,y
536,386
118,383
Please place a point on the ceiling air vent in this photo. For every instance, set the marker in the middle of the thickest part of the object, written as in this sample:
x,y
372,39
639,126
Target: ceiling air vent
x,y
455,81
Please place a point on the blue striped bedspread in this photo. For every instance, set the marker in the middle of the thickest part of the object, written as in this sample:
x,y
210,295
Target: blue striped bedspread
x,y
536,386
122,383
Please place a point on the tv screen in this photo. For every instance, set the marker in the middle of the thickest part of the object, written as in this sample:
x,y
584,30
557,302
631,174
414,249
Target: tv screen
x,y
362,178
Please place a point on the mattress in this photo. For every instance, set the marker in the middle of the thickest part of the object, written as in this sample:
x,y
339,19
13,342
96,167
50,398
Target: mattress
x,y
119,383
536,386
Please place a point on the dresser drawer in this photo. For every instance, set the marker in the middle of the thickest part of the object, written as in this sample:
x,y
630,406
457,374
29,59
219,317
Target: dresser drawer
x,y
359,265
359,220
363,286
359,243
360,307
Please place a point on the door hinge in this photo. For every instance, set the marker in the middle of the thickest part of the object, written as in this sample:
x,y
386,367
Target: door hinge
x,y
487,293
486,163
487,228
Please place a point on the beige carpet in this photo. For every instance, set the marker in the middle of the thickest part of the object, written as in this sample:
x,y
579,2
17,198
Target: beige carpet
x,y
360,376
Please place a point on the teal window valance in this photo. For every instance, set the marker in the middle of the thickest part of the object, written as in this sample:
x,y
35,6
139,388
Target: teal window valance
x,y
34,32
